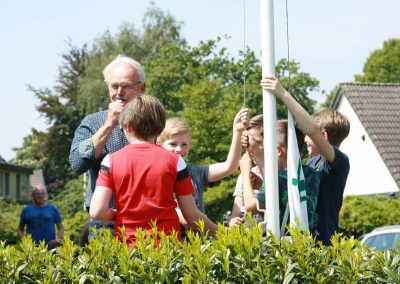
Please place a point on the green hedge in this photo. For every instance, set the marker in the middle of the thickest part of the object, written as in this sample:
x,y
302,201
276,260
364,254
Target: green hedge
x,y
361,214
237,255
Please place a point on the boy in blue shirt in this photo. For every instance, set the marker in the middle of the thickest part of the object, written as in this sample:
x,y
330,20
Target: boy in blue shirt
x,y
324,132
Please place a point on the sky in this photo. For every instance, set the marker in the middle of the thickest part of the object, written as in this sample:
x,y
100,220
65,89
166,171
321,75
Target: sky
x,y
330,39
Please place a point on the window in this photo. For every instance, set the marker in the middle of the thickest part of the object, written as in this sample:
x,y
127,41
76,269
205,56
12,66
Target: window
x,y
6,184
18,189
384,241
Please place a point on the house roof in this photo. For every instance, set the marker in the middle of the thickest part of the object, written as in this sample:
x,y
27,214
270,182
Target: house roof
x,y
12,168
378,108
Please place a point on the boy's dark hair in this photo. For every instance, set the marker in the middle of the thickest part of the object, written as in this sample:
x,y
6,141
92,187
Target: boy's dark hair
x,y
334,123
145,115
281,130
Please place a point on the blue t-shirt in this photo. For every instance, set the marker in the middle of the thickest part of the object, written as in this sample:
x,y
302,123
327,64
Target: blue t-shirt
x,y
331,188
199,176
40,222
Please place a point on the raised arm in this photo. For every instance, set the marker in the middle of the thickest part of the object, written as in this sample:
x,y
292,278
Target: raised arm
x,y
91,137
99,139
305,121
221,170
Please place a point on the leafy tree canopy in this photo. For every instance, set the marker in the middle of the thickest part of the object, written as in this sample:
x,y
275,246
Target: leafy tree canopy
x,y
383,65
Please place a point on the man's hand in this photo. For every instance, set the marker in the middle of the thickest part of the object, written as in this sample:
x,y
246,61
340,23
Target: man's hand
x,y
114,111
54,243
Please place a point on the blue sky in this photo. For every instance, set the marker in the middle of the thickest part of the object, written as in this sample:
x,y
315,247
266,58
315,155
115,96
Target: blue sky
x,y
330,39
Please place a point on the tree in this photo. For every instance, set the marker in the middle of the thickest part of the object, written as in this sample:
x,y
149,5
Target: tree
x,y
383,65
50,150
205,86
160,29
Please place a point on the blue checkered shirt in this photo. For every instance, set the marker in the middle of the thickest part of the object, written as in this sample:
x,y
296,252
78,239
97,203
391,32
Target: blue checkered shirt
x,y
82,156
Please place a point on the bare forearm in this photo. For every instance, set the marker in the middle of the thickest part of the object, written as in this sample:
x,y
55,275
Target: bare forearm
x,y
60,232
248,196
20,233
209,226
103,215
221,170
99,139
308,126
237,206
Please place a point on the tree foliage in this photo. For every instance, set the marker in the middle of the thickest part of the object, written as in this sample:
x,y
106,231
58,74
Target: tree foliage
x,y
159,29
383,65
50,148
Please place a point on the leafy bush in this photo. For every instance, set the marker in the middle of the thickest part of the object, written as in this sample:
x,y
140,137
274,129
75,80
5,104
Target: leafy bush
x,y
9,220
361,214
237,255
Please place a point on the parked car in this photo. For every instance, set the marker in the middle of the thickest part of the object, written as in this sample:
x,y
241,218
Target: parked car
x,y
383,238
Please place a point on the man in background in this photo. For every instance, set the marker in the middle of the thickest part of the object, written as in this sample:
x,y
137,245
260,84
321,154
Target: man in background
x,y
40,219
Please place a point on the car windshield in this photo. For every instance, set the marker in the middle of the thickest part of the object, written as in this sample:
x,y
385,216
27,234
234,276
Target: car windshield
x,y
383,241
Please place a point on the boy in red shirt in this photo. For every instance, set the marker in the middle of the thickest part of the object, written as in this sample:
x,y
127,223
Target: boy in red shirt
x,y
144,177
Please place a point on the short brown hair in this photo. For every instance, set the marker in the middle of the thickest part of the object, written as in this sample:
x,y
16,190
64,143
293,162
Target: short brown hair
x,y
257,122
281,131
173,125
334,123
145,115
282,137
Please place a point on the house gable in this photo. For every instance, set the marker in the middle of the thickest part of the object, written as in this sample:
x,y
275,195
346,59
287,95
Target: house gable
x,y
373,111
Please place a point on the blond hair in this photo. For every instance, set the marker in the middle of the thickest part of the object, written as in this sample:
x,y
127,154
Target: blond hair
x,y
173,126
334,123
145,115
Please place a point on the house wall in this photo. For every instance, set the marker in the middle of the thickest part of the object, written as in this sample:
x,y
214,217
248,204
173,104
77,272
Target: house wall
x,y
368,173
14,186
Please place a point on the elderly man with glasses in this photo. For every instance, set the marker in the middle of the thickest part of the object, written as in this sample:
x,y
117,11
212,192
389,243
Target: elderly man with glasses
x,y
99,133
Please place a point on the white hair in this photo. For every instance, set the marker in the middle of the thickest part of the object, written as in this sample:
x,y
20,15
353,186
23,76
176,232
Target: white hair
x,y
126,60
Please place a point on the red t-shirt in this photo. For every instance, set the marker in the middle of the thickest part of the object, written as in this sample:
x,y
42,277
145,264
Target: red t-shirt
x,y
144,178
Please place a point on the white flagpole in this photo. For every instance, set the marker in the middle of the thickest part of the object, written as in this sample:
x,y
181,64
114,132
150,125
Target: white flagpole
x,y
269,114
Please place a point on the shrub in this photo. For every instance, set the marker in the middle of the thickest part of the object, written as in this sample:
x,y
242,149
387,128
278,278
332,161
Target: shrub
x,y
361,214
237,255
9,220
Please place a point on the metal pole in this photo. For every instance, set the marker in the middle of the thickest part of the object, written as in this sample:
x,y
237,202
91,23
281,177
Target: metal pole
x,y
269,114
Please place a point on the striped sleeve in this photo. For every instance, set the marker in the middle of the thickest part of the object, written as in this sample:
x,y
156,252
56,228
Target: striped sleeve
x,y
104,178
105,164
183,184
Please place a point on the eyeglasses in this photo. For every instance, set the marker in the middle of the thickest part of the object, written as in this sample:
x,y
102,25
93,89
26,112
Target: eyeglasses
x,y
125,87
